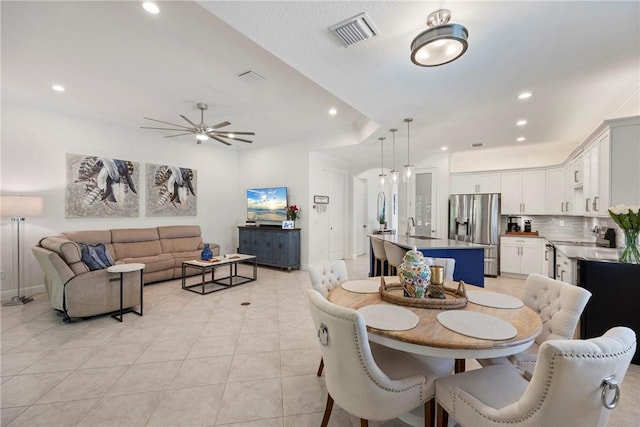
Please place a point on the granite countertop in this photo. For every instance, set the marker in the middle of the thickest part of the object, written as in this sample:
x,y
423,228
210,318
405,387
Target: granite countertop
x,y
588,252
409,242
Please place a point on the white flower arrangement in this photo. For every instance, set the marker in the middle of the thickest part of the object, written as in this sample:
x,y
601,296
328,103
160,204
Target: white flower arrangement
x,y
626,216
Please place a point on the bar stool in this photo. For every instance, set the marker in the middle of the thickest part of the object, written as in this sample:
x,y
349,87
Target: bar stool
x,y
395,255
379,254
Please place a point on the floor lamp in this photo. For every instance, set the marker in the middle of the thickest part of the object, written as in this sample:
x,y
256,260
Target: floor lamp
x,y
18,208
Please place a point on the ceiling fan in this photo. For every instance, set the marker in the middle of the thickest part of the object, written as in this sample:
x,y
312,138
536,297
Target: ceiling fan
x,y
202,131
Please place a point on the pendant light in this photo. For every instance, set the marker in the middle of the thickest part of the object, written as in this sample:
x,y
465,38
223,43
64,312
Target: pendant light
x,y
382,174
394,172
408,168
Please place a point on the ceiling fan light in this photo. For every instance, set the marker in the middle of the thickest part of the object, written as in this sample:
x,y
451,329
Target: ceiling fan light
x,y
231,135
201,136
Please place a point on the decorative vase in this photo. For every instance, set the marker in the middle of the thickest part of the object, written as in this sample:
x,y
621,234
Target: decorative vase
x,y
414,274
630,254
206,254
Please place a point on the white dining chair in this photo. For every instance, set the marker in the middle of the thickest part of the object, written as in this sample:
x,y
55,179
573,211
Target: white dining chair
x,y
324,277
370,381
575,383
559,306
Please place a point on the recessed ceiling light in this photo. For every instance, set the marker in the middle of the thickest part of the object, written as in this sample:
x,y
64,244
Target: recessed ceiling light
x,y
524,95
151,7
57,88
333,112
521,122
521,139
444,148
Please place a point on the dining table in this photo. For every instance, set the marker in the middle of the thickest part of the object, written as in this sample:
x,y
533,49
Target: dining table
x,y
429,337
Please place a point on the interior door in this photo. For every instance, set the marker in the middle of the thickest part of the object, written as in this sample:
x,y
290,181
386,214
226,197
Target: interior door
x,y
425,204
360,215
336,215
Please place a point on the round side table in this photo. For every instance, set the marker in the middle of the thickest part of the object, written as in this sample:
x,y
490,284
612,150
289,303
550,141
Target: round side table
x,y
127,268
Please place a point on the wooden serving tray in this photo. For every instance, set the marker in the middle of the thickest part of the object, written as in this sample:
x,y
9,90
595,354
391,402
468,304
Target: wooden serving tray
x,y
455,298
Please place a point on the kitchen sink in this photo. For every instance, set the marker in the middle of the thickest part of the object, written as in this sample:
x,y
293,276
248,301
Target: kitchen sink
x,y
418,236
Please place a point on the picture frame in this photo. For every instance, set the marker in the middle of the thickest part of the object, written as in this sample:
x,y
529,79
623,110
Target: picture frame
x,y
321,200
288,225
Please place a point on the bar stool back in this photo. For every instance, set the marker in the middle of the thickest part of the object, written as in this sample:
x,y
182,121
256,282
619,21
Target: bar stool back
x,y
379,254
395,255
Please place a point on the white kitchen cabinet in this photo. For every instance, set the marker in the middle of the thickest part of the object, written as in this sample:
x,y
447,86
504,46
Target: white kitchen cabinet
x,y
523,192
565,268
475,183
557,200
521,255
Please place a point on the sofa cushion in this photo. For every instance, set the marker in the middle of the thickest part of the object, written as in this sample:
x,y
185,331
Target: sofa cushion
x,y
151,263
68,250
92,237
176,231
135,243
95,256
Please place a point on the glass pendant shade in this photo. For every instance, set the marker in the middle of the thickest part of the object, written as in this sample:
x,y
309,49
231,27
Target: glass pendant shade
x,y
394,172
408,168
382,174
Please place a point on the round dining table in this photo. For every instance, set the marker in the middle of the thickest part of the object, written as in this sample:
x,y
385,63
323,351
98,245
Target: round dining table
x,y
430,338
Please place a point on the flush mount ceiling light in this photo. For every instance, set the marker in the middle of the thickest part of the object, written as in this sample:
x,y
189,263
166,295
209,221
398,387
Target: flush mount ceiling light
x,y
151,7
441,43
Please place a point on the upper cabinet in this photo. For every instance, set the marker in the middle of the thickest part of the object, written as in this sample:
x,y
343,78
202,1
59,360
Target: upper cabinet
x,y
475,183
523,193
557,202
624,162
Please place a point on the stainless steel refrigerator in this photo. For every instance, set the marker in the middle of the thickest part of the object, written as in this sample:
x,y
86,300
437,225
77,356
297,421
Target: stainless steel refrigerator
x,y
475,218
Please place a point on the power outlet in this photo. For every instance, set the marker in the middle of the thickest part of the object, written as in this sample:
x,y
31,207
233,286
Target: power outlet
x,y
561,223
1,275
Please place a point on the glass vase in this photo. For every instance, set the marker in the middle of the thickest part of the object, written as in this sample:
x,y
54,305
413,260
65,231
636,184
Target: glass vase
x,y
630,254
206,254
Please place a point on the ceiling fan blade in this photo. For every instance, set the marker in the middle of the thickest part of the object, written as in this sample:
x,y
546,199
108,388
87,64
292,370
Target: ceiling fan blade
x,y
221,125
230,131
166,123
220,140
241,140
148,127
180,134
190,122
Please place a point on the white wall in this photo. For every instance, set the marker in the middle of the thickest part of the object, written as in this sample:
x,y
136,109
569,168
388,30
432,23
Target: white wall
x,y
34,147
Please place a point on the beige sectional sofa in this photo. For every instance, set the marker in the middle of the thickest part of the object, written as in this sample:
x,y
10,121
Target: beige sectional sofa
x,y
76,291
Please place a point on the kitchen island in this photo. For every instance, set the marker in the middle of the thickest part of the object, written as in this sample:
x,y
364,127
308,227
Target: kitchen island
x,y
469,256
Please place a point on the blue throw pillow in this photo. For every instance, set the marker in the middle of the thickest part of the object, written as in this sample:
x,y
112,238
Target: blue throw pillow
x,y
95,256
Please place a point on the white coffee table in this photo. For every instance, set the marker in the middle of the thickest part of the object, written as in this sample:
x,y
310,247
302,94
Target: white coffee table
x,y
214,285
128,268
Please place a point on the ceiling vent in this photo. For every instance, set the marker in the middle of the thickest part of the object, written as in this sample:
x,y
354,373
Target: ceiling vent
x,y
477,144
250,76
355,30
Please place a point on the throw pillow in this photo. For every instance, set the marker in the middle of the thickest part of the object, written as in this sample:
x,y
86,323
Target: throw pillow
x,y
95,256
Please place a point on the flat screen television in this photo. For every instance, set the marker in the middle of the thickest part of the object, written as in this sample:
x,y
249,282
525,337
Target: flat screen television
x,y
267,204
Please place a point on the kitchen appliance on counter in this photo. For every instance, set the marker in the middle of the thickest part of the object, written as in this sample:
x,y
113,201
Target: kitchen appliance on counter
x,y
527,226
606,237
475,218
513,223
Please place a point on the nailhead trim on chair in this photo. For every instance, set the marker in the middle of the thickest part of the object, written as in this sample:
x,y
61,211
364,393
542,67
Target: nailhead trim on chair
x,y
546,387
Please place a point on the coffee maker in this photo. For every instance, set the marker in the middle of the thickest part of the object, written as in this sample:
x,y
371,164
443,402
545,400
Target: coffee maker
x,y
513,223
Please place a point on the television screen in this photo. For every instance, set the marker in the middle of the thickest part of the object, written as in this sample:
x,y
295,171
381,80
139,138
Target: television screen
x,y
267,204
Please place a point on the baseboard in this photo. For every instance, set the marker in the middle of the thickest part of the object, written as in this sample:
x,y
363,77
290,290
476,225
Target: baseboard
x,y
28,291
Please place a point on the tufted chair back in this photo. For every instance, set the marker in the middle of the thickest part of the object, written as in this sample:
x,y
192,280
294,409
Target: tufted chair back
x,y
378,389
575,383
558,304
328,275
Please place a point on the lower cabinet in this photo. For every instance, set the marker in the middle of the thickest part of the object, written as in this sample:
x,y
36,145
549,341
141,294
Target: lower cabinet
x,y
566,268
272,246
521,255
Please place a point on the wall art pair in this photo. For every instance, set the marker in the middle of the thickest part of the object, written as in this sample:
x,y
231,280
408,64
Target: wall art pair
x,y
104,187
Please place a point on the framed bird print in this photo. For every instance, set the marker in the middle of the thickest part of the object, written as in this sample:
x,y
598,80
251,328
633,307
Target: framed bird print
x,y
101,187
171,191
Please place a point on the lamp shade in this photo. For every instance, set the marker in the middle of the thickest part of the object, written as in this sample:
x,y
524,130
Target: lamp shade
x,y
19,206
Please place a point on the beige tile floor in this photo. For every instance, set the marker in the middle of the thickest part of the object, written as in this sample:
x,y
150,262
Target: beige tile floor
x,y
192,360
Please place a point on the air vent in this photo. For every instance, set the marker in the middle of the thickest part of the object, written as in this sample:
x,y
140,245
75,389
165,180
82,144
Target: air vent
x,y
250,76
477,144
355,30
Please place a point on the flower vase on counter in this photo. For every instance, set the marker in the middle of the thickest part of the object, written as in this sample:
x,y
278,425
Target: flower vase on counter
x,y
630,254
206,254
628,219
414,274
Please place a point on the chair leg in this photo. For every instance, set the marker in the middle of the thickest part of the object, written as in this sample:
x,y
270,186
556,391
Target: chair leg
x,y
429,413
364,423
321,367
327,411
442,417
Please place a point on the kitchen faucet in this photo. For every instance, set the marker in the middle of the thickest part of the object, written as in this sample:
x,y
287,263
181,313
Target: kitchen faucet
x,y
410,221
